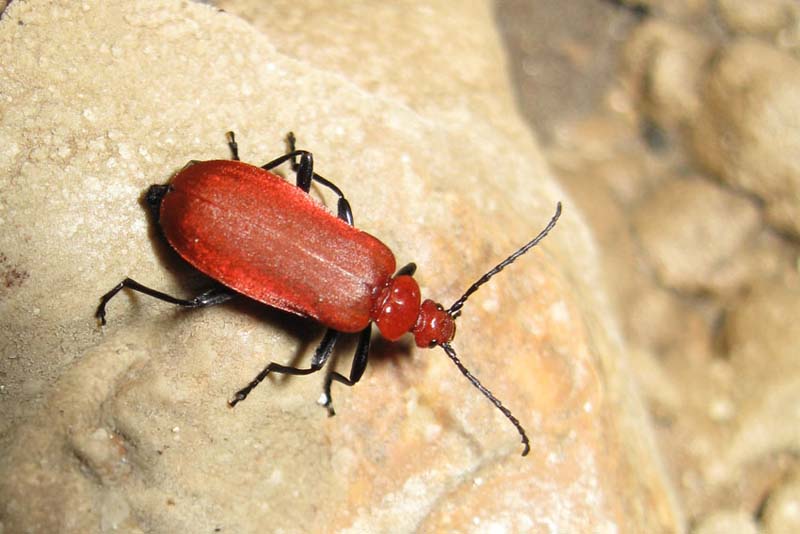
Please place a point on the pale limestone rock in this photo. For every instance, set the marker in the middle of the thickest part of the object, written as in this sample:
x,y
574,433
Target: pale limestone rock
x,y
666,62
748,132
690,229
128,428
782,509
762,17
761,332
727,522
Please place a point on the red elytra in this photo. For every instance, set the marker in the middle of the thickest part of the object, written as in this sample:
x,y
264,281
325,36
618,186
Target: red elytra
x,y
259,236
269,240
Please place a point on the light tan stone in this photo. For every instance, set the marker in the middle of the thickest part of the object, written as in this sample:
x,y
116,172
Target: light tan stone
x,y
691,229
128,428
748,132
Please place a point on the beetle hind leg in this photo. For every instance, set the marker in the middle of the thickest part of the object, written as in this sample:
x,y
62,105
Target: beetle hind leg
x,y
356,370
321,356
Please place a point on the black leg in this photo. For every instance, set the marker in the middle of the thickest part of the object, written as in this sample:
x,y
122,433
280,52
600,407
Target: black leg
x,y
291,140
305,175
155,194
234,146
213,296
320,357
356,370
407,270
304,170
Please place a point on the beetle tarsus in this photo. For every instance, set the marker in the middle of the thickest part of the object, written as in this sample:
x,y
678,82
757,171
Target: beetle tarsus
x,y
100,314
234,146
326,402
215,295
239,397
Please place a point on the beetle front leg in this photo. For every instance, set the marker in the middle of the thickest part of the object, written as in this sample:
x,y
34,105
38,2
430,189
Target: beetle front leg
x,y
356,370
321,356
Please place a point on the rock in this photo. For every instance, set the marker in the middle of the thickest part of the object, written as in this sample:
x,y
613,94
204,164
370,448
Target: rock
x,y
671,9
760,332
727,522
759,327
748,132
764,17
666,61
690,229
333,40
128,428
782,509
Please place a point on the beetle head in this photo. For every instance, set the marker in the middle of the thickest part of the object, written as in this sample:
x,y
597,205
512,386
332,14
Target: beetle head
x,y
434,325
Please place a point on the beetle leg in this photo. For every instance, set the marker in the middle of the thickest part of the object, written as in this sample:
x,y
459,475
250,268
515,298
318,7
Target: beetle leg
x,y
321,356
234,146
305,171
291,140
213,296
305,175
407,270
356,370
344,211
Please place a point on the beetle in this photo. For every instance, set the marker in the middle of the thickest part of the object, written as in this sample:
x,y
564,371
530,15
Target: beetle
x,y
259,236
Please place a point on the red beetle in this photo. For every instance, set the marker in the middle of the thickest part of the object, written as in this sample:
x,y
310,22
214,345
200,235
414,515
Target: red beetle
x,y
261,237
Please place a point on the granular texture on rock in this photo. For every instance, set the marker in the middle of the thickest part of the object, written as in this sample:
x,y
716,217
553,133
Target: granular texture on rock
x,y
128,428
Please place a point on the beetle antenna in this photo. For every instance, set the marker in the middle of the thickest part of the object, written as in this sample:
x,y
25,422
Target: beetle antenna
x,y
452,354
455,309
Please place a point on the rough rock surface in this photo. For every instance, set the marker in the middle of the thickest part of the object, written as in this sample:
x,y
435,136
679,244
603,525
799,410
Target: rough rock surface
x,y
707,229
748,131
127,429
687,173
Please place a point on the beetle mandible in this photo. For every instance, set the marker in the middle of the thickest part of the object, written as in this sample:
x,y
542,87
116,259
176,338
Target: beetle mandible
x,y
259,236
